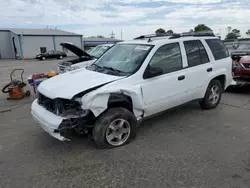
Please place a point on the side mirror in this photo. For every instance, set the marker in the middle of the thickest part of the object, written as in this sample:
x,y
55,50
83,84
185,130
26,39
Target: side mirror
x,y
152,72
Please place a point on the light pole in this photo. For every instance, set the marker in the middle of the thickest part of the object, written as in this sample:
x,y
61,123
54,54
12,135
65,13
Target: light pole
x,y
121,34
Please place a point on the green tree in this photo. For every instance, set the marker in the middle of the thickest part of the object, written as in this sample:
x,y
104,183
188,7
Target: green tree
x,y
170,31
100,36
160,31
234,34
231,36
202,27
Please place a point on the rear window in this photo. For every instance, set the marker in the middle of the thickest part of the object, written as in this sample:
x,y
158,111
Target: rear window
x,y
218,49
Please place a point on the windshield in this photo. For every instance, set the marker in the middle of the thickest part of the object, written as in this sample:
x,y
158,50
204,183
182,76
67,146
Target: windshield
x,y
98,51
123,58
244,47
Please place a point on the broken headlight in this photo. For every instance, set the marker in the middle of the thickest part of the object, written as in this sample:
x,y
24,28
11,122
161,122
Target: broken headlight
x,y
64,107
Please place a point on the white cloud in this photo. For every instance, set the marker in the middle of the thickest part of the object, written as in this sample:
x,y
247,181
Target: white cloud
x,y
94,17
195,1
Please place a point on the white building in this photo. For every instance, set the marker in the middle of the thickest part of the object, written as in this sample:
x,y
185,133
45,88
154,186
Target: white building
x,y
26,43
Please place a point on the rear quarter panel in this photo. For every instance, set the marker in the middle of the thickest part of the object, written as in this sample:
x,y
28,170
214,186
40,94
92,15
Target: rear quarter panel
x,y
220,67
224,67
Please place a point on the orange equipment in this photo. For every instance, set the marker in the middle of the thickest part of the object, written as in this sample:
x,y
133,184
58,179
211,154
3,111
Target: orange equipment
x,y
16,87
35,79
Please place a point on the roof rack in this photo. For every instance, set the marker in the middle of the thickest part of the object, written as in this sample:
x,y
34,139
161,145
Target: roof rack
x,y
153,35
177,35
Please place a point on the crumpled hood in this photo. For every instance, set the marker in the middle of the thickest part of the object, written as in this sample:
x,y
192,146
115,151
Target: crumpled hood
x,y
69,84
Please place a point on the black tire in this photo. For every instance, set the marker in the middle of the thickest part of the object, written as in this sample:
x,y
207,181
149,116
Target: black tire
x,y
103,122
43,58
206,103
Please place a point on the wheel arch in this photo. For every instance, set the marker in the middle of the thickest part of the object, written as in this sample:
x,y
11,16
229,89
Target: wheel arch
x,y
100,101
222,79
120,100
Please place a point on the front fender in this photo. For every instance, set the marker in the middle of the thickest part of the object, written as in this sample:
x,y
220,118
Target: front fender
x,y
97,101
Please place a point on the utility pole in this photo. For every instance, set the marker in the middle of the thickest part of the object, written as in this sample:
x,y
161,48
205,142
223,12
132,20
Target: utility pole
x,y
112,35
121,34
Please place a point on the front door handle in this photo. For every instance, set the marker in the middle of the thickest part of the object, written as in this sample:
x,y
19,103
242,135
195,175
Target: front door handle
x,y
210,69
181,77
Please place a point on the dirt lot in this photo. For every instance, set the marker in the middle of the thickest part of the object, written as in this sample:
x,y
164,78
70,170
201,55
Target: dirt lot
x,y
182,148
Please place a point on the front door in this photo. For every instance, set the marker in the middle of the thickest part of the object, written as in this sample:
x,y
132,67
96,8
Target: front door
x,y
167,90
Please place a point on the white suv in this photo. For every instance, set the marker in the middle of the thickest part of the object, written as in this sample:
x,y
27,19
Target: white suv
x,y
131,81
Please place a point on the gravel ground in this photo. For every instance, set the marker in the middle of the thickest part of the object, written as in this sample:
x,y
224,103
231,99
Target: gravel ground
x,y
182,148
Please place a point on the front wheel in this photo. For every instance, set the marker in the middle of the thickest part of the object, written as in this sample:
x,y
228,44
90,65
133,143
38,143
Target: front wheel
x,y
213,95
114,128
61,57
43,58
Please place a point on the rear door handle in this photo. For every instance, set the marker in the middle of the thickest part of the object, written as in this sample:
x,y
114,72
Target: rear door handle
x,y
181,77
209,69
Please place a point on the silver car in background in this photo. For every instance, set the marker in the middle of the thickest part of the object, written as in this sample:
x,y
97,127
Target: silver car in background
x,y
84,58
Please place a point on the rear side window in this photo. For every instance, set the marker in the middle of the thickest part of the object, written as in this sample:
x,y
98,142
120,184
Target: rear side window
x,y
196,53
218,48
203,52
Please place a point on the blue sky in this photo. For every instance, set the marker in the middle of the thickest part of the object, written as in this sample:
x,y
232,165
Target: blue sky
x,y
133,17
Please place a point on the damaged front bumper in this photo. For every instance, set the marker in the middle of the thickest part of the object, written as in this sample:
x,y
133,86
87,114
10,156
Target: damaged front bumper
x,y
61,127
48,121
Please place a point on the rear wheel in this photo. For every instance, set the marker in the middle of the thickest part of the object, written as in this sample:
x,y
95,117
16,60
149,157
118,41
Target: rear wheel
x,y
213,95
114,128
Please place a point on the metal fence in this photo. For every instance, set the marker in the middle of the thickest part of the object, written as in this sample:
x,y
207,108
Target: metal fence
x,y
233,45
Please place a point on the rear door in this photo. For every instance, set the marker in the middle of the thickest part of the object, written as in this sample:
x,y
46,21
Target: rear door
x,y
223,62
199,67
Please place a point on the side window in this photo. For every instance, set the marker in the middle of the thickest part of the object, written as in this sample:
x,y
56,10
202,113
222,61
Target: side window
x,y
196,53
203,52
218,48
168,58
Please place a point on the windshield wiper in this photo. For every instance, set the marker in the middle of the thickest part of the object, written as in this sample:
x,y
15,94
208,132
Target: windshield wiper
x,y
117,72
96,66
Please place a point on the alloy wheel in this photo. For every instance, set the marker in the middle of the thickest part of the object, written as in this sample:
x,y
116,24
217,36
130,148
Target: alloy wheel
x,y
214,94
118,132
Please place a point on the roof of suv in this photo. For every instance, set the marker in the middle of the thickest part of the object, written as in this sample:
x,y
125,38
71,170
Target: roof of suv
x,y
164,40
